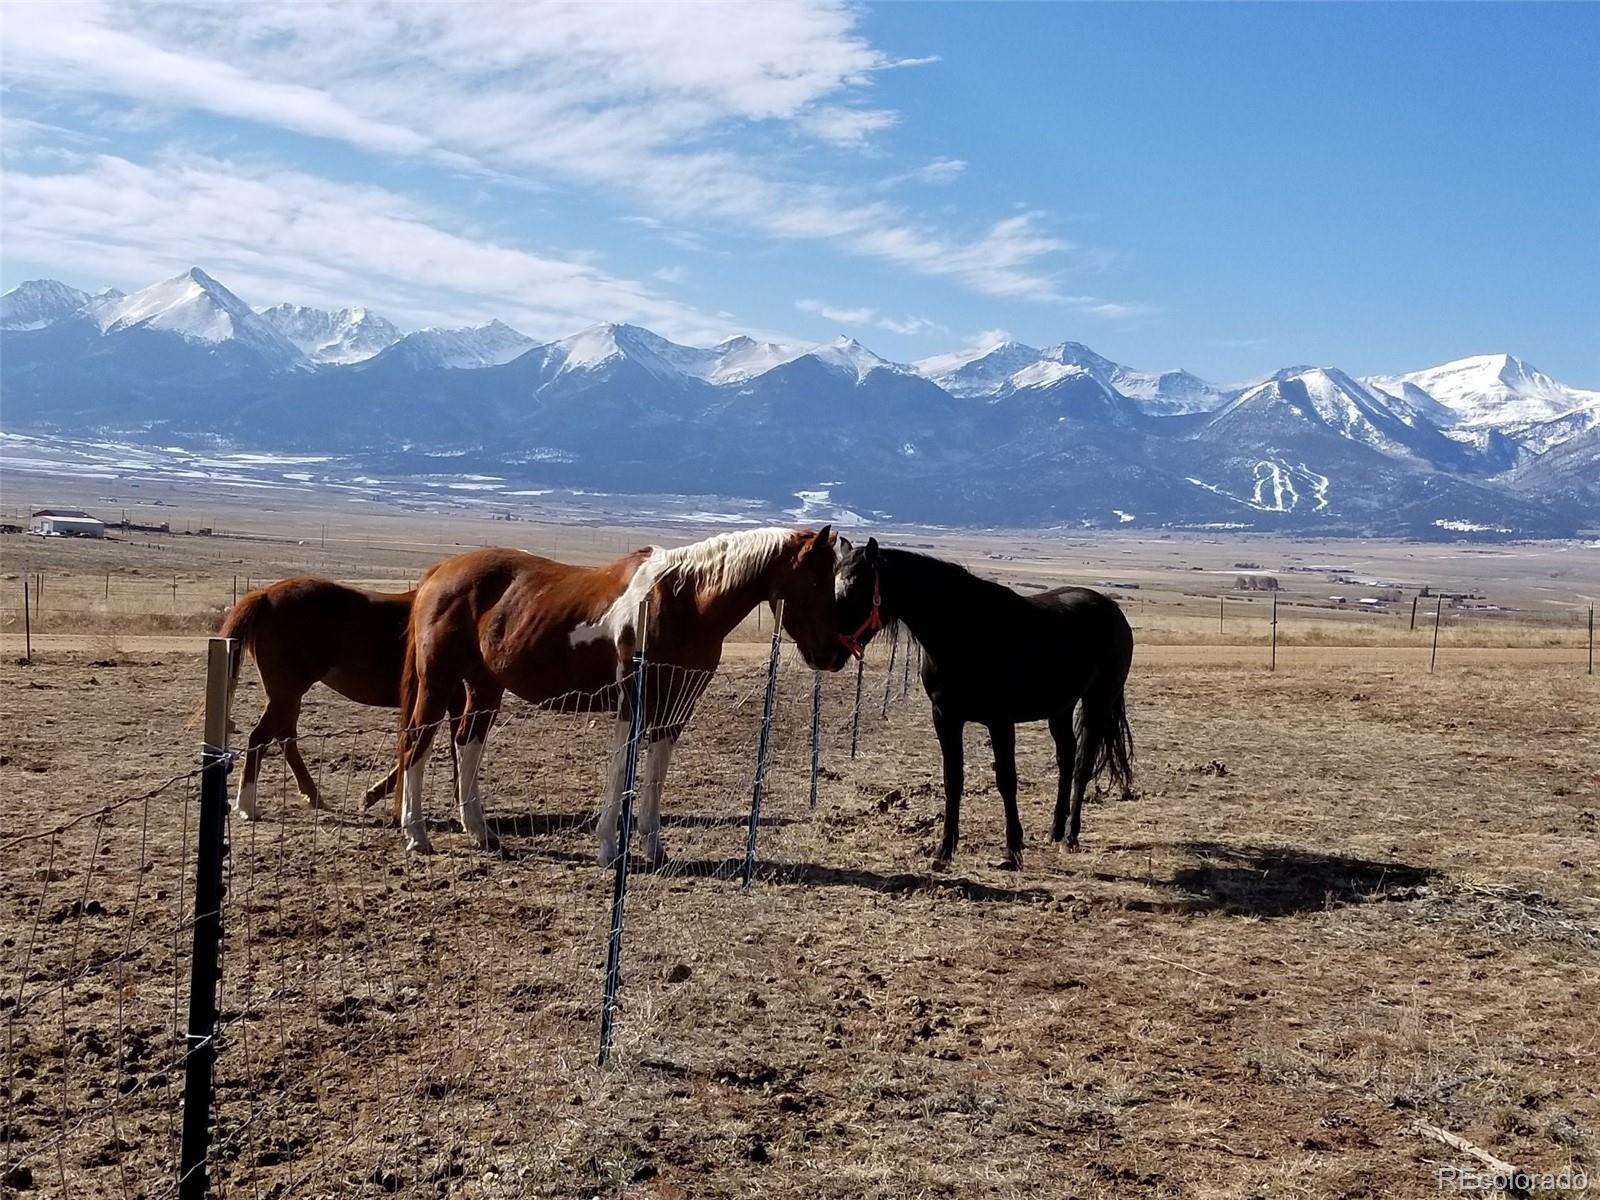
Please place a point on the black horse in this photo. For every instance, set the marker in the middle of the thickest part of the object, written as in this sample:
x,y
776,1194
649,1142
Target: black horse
x,y
997,658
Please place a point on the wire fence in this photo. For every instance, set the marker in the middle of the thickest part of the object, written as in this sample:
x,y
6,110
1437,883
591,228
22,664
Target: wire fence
x,y
376,1013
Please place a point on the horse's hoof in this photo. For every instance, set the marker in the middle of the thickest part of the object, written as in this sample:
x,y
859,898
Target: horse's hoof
x,y
939,862
245,814
1070,845
658,861
607,857
487,842
314,799
419,845
1011,862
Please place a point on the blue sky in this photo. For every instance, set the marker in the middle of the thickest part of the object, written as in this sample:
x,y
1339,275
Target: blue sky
x,y
1229,188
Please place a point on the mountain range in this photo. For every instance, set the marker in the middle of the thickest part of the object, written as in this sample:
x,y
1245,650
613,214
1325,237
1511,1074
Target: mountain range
x,y
1003,434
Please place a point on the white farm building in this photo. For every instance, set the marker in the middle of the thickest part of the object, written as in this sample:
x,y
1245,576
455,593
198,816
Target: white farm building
x,y
65,522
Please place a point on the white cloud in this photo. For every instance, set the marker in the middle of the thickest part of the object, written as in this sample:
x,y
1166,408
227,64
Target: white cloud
x,y
847,126
942,170
275,234
671,274
832,312
653,103
48,45
908,326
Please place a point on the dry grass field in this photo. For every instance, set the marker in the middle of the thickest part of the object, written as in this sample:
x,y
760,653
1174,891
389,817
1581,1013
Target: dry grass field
x,y
1345,897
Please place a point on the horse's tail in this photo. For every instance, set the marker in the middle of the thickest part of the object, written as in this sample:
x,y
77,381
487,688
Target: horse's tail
x,y
243,624
1104,730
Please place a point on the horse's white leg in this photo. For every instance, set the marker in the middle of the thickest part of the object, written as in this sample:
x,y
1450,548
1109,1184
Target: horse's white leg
x,y
411,799
470,754
655,774
612,810
245,805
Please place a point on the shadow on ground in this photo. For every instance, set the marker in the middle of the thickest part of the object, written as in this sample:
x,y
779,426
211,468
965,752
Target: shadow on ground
x,y
1280,881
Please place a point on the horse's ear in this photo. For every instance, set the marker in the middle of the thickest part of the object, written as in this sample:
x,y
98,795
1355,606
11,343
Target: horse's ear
x,y
828,534
872,549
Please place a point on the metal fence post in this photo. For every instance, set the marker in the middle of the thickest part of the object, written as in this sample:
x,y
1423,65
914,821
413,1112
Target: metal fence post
x,y
619,884
816,731
888,675
205,962
1274,666
1591,639
855,713
761,747
27,623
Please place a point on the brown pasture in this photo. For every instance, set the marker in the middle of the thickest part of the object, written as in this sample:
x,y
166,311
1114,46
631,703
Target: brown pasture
x,y
1346,897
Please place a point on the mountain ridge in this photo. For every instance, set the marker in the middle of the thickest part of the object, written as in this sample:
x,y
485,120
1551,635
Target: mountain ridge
x,y
993,433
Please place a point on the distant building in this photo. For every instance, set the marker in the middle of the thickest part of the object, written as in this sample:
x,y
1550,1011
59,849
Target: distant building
x,y
65,522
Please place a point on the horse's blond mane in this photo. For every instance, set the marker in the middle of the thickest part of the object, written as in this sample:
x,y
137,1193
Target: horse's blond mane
x,y
720,563
723,562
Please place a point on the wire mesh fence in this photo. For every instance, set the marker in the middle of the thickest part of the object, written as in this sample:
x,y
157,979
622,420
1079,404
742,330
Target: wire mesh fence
x,y
379,1015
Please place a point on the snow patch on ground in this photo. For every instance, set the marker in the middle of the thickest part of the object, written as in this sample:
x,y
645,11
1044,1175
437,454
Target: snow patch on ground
x,y
1458,526
817,506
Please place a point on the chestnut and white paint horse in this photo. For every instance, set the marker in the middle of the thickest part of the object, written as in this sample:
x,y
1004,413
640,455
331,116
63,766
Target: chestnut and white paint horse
x,y
497,620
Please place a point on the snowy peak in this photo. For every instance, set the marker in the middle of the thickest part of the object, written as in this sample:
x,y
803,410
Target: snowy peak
x,y
990,369
462,349
346,336
979,370
593,348
39,302
741,358
846,356
1498,390
196,307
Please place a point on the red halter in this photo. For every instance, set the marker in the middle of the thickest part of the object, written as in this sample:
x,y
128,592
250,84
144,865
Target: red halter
x,y
872,624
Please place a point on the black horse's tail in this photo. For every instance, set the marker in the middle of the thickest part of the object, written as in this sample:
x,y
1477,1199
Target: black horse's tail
x,y
1103,720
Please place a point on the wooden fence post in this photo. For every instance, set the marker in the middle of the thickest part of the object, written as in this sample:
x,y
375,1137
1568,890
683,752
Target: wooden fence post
x,y
27,623
1413,613
205,960
1437,609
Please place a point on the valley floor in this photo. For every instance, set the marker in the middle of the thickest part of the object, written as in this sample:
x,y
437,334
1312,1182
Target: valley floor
x,y
1344,899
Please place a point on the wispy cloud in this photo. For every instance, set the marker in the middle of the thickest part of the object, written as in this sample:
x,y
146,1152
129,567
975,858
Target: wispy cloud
x,y
642,106
862,317
276,234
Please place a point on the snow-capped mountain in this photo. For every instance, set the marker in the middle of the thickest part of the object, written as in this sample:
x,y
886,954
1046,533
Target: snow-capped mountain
x,y
1328,398
999,434
38,303
466,348
1491,390
741,357
978,371
197,308
995,368
850,358
346,336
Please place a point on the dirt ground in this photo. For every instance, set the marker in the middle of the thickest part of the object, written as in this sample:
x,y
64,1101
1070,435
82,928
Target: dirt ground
x,y
1344,898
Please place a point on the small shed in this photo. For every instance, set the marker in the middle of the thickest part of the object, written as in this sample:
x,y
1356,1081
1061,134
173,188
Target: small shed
x,y
65,522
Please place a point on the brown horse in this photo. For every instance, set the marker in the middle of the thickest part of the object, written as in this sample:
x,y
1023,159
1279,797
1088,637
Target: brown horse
x,y
493,621
305,631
